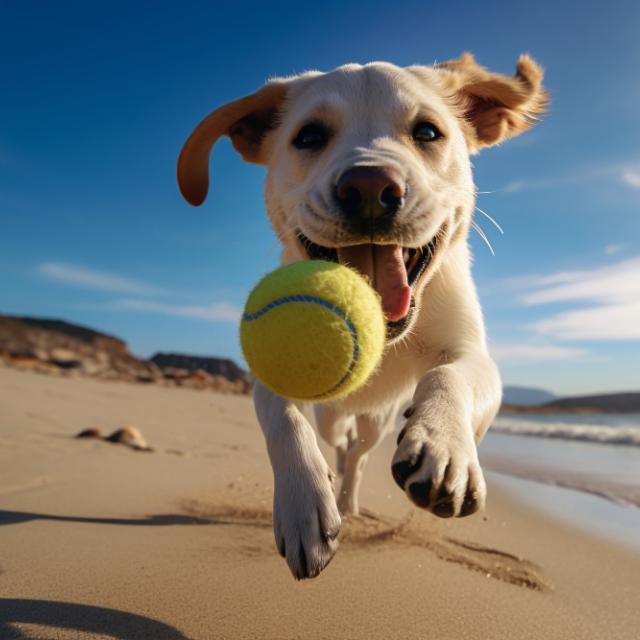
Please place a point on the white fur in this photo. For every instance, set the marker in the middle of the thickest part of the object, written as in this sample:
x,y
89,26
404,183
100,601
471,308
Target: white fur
x,y
441,364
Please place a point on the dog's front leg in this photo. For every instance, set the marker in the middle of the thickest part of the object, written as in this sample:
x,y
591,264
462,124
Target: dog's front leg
x,y
436,462
306,521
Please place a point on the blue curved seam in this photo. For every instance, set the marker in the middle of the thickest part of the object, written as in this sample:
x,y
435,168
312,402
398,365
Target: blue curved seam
x,y
249,317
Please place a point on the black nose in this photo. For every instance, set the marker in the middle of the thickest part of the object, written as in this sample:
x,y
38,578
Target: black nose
x,y
369,192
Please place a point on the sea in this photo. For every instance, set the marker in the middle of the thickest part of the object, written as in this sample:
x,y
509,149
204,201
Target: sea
x,y
581,468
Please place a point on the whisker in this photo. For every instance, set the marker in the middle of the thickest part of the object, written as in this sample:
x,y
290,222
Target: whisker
x,y
497,226
483,235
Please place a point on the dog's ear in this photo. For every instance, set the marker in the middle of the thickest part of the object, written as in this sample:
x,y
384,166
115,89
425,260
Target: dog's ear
x,y
245,121
495,106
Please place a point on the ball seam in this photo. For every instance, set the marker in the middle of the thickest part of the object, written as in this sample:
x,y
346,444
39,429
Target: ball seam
x,y
249,317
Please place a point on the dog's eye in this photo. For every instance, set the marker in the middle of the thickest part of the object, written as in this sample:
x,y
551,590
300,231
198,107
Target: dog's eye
x,y
426,132
312,136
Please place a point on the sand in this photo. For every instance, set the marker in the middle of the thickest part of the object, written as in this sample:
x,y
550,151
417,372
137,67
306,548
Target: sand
x,y
101,541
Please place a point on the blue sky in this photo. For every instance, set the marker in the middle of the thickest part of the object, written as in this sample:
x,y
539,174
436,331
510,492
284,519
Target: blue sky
x,y
97,98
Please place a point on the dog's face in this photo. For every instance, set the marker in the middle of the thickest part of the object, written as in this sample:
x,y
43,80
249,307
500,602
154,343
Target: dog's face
x,y
369,165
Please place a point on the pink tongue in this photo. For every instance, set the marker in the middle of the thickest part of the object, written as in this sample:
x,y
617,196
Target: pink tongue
x,y
384,266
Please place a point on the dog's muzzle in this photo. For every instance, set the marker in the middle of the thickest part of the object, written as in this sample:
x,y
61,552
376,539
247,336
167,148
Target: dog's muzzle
x,y
394,271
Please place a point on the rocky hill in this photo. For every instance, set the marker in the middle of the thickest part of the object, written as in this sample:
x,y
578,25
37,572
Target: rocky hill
x,y
609,403
57,347
215,366
601,403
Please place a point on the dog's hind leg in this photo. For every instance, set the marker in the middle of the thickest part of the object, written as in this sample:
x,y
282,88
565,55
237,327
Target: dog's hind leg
x,y
370,430
337,430
342,451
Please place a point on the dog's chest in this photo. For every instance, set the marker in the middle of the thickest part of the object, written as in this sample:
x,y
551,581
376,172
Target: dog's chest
x,y
402,367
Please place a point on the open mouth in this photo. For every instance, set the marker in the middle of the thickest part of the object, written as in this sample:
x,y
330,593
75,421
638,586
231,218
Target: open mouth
x,y
393,270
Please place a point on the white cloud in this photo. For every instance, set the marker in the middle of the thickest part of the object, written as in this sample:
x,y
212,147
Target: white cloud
x,y
607,322
219,311
580,175
612,294
85,278
615,284
516,186
506,353
612,249
627,173
516,284
631,177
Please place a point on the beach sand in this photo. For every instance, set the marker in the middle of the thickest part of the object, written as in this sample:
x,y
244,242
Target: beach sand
x,y
100,541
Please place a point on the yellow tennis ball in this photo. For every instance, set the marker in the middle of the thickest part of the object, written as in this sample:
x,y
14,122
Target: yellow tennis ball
x,y
313,330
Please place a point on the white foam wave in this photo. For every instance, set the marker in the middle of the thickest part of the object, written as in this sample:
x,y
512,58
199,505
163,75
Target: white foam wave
x,y
620,435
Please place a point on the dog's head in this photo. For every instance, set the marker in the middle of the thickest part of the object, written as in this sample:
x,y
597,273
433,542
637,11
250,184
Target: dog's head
x,y
369,165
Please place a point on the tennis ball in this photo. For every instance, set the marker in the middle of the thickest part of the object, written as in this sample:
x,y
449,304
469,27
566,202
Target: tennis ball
x,y
313,330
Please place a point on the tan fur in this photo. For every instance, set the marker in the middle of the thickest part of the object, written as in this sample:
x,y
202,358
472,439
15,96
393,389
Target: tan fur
x,y
440,364
244,121
496,106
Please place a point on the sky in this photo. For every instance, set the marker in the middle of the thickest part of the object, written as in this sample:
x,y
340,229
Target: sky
x,y
97,98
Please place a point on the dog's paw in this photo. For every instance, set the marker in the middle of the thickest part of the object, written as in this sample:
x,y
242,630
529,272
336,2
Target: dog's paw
x,y
306,520
439,471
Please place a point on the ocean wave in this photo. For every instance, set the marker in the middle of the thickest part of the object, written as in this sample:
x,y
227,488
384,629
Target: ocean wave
x,y
620,435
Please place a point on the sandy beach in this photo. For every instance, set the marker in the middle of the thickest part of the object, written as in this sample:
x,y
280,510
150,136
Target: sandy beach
x,y
100,541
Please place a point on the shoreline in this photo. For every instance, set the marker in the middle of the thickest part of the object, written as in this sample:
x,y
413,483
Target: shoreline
x,y
588,512
622,495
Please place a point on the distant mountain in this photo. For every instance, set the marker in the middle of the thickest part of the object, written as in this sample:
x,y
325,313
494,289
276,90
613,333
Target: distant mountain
x,y
603,403
608,403
215,366
526,396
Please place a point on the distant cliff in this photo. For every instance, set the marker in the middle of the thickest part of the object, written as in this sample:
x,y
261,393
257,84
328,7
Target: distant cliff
x,y
215,366
58,344
57,347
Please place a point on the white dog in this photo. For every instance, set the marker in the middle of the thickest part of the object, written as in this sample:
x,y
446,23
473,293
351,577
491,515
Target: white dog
x,y
369,165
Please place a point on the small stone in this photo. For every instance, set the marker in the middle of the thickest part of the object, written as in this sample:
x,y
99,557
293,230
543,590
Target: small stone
x,y
89,433
131,437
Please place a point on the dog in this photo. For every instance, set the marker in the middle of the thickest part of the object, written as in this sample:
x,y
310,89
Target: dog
x,y
369,165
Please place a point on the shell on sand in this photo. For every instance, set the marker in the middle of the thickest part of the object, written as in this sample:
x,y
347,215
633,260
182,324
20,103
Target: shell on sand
x,y
131,437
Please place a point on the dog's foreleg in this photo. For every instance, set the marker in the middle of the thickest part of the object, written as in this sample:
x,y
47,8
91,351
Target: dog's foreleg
x,y
306,521
436,462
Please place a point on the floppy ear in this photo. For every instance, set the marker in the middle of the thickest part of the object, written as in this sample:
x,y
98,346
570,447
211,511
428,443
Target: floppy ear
x,y
495,105
245,121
